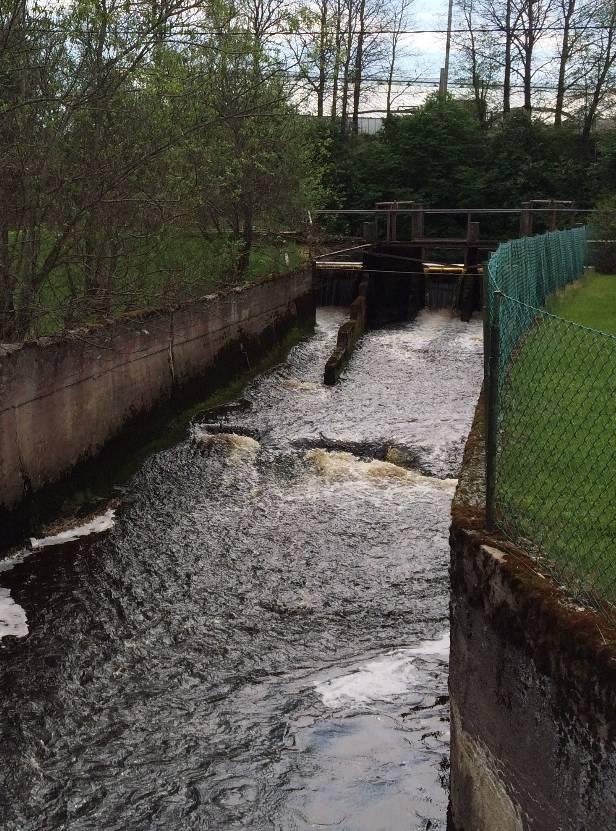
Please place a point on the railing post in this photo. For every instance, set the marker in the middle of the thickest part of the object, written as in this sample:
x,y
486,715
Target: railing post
x,y
417,222
492,412
316,283
394,223
526,220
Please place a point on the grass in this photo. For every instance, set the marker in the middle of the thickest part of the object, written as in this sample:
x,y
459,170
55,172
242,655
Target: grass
x,y
158,270
591,302
557,456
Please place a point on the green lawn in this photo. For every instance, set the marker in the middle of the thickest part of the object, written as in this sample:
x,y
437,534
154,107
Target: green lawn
x,y
591,302
556,481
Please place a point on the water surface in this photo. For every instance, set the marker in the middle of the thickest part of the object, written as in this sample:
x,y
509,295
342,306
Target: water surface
x,y
261,639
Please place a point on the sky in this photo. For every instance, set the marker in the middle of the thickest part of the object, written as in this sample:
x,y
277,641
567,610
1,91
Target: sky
x,y
426,52
430,15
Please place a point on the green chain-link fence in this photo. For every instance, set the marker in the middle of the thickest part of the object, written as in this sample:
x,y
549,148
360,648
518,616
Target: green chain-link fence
x,y
551,392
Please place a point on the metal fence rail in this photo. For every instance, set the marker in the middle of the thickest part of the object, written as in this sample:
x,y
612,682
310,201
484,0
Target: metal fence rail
x,y
551,420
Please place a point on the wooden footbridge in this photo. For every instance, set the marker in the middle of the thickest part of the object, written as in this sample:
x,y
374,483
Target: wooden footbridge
x,y
409,268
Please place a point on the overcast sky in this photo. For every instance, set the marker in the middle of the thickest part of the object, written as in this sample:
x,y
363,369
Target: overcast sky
x,y
431,14
425,52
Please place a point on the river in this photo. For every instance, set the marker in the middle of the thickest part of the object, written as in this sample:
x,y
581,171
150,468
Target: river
x,y
260,637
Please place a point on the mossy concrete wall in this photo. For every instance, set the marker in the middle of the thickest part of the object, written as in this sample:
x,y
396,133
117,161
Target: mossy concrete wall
x,y
532,685
64,398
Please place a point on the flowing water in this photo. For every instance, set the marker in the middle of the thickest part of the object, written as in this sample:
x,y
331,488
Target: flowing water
x,y
258,636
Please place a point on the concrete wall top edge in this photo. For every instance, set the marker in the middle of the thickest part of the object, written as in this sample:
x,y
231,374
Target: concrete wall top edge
x,y
27,370
141,316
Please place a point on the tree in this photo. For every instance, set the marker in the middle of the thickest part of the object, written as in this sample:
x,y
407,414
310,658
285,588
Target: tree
x,y
599,61
604,228
398,20
504,17
439,151
533,19
102,104
478,57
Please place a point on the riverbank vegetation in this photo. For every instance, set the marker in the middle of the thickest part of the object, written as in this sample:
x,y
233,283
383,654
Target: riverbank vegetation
x,y
142,145
442,156
590,302
147,147
161,270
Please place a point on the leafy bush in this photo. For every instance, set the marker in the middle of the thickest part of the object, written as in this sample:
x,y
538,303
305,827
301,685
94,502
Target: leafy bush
x,y
604,228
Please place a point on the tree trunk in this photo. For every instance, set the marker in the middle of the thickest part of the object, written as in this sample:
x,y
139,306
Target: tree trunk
x,y
24,311
606,62
507,76
7,286
528,58
336,70
322,59
480,101
358,68
562,67
345,77
246,239
93,141
390,79
478,88
30,282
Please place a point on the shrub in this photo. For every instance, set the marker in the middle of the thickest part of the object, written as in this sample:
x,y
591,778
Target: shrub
x,y
603,255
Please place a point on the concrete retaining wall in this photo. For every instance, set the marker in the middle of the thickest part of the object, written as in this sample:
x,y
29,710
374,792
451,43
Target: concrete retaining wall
x,y
532,686
64,398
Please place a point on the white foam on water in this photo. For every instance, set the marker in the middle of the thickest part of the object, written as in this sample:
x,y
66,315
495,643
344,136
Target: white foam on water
x,y
101,523
469,339
229,441
439,648
337,465
13,620
10,562
428,325
382,679
301,386
437,329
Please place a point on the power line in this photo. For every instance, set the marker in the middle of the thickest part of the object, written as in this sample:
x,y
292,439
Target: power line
x,y
247,33
429,82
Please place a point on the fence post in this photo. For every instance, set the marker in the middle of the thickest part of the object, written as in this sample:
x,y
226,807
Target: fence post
x,y
492,412
417,222
526,220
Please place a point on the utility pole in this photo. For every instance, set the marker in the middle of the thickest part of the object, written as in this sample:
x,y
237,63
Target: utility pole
x,y
445,71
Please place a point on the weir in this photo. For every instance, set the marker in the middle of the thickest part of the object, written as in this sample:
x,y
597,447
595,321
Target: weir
x,y
416,257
